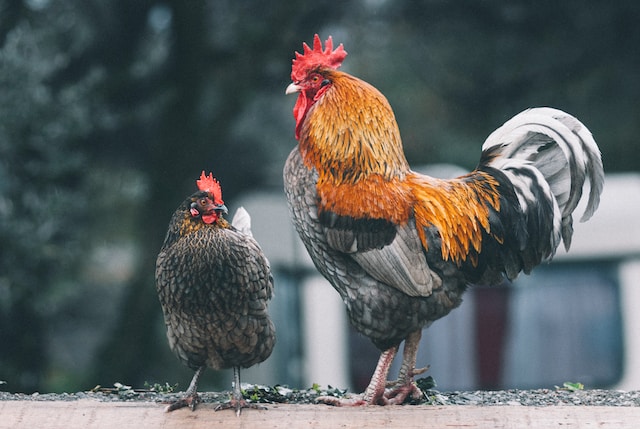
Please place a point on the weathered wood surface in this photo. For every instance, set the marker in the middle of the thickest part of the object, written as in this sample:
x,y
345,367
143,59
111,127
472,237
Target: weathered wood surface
x,y
91,414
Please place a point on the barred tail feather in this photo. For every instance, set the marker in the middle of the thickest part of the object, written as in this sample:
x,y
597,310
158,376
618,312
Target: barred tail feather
x,y
562,150
593,160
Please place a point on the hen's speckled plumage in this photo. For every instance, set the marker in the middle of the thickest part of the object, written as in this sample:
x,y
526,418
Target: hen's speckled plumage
x,y
214,284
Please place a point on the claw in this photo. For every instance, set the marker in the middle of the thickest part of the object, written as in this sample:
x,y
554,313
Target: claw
x,y
238,406
409,376
191,397
237,402
355,401
188,401
404,388
399,395
418,371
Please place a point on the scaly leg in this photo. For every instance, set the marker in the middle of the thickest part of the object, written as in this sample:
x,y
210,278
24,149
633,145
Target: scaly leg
x,y
404,386
374,393
191,397
237,401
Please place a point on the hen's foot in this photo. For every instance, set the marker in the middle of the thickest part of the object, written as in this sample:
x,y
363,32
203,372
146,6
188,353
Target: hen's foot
x,y
191,397
238,405
188,401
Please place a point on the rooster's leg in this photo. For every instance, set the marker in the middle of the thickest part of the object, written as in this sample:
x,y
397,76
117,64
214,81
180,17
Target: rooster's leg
x,y
375,390
191,397
374,394
404,386
237,402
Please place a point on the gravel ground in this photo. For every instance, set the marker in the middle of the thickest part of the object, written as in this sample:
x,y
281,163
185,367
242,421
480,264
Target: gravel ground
x,y
281,394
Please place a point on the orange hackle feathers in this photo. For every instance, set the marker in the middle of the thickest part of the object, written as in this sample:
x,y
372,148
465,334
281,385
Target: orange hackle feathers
x,y
211,185
317,57
357,175
459,210
360,137
373,197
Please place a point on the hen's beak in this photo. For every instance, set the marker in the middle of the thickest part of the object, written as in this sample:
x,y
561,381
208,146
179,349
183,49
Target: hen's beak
x,y
222,208
293,88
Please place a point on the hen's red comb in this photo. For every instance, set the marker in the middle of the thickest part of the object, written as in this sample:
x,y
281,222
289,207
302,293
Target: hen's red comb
x,y
211,185
312,58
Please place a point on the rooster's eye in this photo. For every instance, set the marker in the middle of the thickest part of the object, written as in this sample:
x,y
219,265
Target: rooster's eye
x,y
203,201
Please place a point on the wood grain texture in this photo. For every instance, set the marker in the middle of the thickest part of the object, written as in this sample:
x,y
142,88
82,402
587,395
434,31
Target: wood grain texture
x,y
90,414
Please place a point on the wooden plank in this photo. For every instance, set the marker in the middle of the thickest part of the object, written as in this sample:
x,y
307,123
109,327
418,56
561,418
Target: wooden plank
x,y
92,414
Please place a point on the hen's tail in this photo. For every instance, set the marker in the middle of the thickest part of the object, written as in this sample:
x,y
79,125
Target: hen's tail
x,y
547,153
242,221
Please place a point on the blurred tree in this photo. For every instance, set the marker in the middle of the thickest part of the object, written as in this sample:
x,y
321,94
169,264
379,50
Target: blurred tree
x,y
43,197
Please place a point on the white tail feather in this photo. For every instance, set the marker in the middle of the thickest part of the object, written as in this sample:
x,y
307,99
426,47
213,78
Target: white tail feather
x,y
561,148
242,221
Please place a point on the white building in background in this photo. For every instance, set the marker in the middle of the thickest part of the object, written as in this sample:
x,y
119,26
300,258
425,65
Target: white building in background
x,y
576,319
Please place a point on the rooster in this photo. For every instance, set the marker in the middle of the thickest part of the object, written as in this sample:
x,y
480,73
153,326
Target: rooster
x,y
400,247
214,283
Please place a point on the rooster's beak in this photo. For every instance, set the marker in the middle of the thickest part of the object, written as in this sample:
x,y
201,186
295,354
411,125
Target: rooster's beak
x,y
293,88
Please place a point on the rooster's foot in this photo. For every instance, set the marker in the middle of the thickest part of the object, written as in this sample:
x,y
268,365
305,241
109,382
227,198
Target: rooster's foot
x,y
188,401
354,401
395,396
238,405
400,394
403,381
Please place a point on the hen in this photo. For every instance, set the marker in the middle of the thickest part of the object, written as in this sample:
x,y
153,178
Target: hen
x,y
214,284
401,247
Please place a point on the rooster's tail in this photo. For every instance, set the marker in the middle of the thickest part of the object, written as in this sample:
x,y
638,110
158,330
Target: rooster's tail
x,y
547,153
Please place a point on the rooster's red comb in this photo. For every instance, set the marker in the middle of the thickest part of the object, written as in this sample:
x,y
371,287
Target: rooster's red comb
x,y
211,185
317,57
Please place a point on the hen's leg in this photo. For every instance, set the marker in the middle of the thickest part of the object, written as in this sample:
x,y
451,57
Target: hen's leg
x,y
237,401
374,394
191,397
404,386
